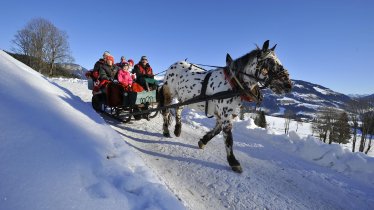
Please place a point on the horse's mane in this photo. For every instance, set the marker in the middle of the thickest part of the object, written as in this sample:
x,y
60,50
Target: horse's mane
x,y
242,61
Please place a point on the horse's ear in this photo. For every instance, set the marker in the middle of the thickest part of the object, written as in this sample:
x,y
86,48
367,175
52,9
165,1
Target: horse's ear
x,y
273,48
265,46
228,60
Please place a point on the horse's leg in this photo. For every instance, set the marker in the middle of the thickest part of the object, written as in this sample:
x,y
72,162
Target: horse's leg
x,y
165,99
227,134
208,136
165,126
178,121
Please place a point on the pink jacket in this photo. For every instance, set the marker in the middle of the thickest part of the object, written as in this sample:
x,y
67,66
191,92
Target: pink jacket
x,y
124,77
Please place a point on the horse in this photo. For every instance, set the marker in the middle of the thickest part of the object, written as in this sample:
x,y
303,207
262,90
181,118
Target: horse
x,y
183,81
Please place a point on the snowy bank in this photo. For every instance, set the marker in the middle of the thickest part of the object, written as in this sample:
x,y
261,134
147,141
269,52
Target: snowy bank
x,y
54,149
356,165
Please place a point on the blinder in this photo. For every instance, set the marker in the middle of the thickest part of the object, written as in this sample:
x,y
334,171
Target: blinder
x,y
265,67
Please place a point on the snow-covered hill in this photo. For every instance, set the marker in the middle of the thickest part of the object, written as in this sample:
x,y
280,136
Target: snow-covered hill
x,y
304,100
54,149
75,69
369,97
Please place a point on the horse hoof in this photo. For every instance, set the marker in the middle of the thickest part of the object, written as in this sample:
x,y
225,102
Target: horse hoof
x,y
237,169
177,134
201,145
167,135
178,130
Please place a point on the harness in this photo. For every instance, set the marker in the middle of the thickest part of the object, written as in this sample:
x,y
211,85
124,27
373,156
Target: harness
x,y
204,86
236,84
265,82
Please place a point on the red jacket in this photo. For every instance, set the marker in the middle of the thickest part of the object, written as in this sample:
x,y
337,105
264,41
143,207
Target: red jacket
x,y
139,69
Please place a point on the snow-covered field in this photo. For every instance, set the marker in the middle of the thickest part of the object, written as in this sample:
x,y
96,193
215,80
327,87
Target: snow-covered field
x,y
54,150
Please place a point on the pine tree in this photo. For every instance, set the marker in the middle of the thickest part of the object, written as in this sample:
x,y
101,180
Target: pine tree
x,y
260,119
343,129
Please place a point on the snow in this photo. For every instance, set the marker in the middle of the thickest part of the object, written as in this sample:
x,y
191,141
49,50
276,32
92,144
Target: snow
x,y
280,172
323,91
54,150
298,85
287,101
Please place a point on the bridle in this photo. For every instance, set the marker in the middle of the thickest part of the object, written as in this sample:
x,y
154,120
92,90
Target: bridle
x,y
263,69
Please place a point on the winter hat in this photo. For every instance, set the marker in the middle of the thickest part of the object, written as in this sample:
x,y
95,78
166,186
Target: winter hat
x,y
144,58
125,64
122,57
131,61
106,53
109,57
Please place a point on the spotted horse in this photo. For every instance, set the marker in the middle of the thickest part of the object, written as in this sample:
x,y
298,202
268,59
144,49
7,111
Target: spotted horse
x,y
183,81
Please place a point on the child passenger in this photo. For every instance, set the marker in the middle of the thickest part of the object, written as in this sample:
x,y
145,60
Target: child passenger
x,y
125,77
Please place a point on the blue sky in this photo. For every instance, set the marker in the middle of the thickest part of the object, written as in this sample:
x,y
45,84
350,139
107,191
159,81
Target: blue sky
x,y
325,42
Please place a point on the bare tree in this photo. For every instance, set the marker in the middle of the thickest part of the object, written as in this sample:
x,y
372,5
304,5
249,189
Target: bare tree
x,y
299,121
43,42
287,120
323,124
22,42
366,124
371,132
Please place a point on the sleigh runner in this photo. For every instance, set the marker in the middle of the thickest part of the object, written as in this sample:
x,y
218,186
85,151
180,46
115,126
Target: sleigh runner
x,y
117,102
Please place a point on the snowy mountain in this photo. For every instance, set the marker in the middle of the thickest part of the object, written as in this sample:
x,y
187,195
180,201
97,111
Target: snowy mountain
x,y
75,69
369,97
358,95
304,100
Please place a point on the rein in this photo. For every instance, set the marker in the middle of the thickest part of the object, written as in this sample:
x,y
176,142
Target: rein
x,y
236,85
195,64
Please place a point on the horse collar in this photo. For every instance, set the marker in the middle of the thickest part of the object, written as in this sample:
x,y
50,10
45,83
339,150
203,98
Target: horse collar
x,y
236,86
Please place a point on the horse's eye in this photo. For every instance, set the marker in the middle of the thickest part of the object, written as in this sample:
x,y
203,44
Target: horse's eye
x,y
264,71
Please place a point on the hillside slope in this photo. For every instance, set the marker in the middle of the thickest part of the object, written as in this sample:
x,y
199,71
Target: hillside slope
x,y
304,100
54,148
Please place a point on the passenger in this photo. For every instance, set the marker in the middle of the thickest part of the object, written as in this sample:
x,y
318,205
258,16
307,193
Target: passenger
x,y
131,65
144,74
94,73
125,77
122,62
108,71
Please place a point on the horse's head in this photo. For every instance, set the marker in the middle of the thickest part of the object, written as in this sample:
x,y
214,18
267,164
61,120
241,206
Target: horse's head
x,y
261,66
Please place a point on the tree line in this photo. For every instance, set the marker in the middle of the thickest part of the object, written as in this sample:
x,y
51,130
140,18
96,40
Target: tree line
x,y
41,45
355,122
334,125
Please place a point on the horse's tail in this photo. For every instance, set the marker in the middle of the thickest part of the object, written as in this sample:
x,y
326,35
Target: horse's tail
x,y
161,97
161,103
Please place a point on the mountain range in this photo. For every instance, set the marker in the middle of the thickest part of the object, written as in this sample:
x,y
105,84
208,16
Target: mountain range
x,y
304,100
